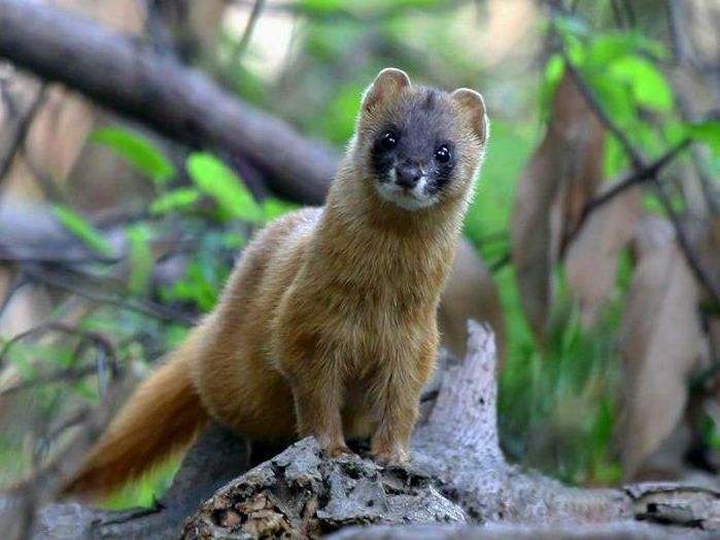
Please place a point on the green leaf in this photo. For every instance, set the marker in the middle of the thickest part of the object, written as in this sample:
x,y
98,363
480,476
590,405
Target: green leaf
x,y
615,99
273,208
233,240
648,84
554,71
83,230
197,288
215,179
178,199
322,5
607,48
137,150
141,259
707,132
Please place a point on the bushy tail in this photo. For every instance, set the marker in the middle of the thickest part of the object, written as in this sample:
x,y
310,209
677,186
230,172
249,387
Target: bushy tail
x,y
161,417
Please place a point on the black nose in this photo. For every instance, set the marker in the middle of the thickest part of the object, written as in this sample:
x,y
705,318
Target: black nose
x,y
407,175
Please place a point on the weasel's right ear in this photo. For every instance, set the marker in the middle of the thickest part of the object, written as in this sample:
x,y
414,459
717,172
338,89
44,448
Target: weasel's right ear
x,y
389,83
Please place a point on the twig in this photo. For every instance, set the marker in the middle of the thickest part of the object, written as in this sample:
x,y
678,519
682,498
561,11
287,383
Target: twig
x,y
96,338
56,258
244,41
18,136
149,309
72,374
17,284
637,177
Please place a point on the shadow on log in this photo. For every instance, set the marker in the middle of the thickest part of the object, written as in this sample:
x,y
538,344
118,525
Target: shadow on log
x,y
458,485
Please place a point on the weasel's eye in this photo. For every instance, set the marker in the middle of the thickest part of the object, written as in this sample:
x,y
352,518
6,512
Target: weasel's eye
x,y
389,140
442,154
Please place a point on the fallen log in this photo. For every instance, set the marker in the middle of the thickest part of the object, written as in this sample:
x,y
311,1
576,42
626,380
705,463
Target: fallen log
x,y
457,485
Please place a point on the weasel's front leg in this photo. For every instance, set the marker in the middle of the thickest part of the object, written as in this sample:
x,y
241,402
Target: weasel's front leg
x,y
318,394
398,397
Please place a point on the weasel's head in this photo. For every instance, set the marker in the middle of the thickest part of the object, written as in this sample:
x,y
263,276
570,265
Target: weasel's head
x,y
421,146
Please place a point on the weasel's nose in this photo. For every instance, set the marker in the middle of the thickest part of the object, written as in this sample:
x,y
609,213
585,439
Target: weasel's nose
x,y
407,175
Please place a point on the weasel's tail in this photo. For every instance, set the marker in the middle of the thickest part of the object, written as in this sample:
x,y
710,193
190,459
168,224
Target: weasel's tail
x,y
161,417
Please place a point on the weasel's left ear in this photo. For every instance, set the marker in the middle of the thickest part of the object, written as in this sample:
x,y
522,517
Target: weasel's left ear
x,y
472,104
390,82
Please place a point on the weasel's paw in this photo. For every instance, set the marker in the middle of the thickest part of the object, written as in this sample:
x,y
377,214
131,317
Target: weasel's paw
x,y
390,456
336,450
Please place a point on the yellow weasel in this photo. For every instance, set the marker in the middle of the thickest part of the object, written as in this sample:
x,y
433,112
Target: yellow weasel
x,y
327,326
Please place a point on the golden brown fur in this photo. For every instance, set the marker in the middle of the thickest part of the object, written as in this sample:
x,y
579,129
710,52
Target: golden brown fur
x,y
326,327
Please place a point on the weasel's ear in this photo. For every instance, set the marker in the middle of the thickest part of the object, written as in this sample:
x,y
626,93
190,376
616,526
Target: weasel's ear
x,y
389,83
472,104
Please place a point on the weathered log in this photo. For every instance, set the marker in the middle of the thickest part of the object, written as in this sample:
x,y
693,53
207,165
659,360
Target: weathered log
x,y
457,475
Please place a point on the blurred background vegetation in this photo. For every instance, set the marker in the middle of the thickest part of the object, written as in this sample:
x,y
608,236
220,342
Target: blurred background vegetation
x,y
652,66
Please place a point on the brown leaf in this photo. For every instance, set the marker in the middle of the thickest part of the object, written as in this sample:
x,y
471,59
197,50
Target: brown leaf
x,y
591,261
470,293
562,175
660,342
650,233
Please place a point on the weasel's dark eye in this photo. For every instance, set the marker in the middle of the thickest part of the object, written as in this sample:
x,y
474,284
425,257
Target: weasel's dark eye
x,y
442,154
389,140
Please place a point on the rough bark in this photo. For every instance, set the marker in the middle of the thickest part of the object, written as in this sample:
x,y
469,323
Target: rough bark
x,y
457,485
131,79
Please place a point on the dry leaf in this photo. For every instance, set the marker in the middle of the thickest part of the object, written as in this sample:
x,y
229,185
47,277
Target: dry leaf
x,y
562,175
660,342
470,293
650,233
591,261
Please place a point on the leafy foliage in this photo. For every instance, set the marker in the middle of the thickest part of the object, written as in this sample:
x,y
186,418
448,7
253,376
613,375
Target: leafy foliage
x,y
84,230
137,150
214,178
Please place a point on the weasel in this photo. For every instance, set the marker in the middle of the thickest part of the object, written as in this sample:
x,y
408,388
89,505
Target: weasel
x,y
327,325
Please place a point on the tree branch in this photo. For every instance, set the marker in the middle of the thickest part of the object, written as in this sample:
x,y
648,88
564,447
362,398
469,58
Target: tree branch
x,y
638,177
178,102
639,164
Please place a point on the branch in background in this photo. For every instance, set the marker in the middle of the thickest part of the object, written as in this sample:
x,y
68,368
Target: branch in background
x,y
646,173
639,165
96,338
147,308
244,40
19,131
178,102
